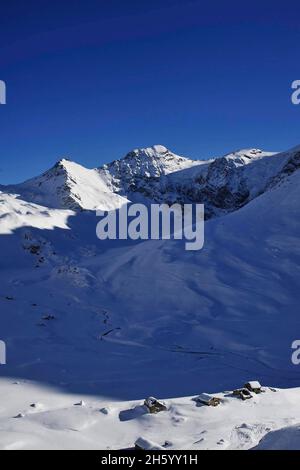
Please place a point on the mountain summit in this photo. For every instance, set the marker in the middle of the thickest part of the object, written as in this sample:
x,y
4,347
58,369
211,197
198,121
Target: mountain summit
x,y
69,185
150,162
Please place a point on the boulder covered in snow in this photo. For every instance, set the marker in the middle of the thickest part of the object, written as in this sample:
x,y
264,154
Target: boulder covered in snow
x,y
145,444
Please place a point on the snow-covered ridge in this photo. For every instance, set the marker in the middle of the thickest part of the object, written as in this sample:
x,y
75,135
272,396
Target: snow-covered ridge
x,y
69,185
141,173
149,162
155,174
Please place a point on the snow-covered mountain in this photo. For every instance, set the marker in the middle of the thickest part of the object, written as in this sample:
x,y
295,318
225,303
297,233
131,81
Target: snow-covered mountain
x,y
151,162
69,185
155,174
122,320
222,184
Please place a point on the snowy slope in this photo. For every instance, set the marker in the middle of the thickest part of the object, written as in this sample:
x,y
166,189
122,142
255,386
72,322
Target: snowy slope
x,y
58,421
234,304
16,213
157,298
287,438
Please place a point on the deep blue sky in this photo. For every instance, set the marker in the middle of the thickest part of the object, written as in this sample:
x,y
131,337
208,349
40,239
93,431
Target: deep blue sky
x,y
92,79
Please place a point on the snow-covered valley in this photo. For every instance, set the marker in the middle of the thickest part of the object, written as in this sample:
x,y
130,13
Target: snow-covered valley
x,y
112,322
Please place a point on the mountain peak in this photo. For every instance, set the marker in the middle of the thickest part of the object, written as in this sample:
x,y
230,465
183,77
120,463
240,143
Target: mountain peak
x,y
144,164
65,164
156,151
63,161
69,185
249,153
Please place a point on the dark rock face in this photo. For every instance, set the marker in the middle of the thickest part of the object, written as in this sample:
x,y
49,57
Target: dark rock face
x,y
221,186
292,165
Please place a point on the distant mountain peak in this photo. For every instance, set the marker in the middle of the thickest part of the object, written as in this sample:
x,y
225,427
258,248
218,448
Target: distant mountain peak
x,y
249,153
153,152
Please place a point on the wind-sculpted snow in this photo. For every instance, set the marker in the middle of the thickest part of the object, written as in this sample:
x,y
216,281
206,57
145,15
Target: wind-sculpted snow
x,y
286,438
36,417
16,213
